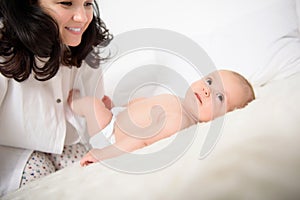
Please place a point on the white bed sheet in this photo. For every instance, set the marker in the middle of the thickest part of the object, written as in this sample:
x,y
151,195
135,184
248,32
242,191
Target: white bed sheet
x,y
256,157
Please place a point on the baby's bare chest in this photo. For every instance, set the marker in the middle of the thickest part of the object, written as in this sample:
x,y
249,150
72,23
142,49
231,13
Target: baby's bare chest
x,y
154,109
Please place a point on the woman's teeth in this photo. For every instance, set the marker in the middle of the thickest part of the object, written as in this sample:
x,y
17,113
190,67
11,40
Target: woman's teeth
x,y
74,29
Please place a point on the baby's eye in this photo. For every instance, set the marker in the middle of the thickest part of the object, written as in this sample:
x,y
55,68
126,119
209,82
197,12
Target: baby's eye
x,y
66,3
209,81
220,97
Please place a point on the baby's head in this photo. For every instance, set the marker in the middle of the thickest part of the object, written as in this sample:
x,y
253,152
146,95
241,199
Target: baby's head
x,y
218,93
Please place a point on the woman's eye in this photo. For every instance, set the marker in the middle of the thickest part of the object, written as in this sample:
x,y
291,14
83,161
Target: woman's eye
x,y
208,81
220,97
88,4
66,3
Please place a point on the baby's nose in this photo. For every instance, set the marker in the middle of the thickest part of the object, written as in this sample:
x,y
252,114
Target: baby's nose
x,y
206,91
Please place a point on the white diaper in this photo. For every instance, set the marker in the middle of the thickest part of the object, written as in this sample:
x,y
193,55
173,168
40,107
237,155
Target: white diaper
x,y
106,136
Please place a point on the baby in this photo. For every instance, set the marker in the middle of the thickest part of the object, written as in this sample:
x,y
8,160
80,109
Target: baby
x,y
147,120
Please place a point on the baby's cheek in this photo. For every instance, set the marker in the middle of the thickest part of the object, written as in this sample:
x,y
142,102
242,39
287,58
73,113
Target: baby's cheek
x,y
206,114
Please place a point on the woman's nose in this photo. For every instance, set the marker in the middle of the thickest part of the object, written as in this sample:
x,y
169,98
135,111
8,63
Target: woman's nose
x,y
80,15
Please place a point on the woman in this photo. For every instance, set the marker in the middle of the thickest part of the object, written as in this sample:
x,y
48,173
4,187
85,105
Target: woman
x,y
42,45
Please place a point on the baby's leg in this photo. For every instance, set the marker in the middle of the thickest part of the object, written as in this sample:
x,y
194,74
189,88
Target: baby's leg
x,y
96,114
98,118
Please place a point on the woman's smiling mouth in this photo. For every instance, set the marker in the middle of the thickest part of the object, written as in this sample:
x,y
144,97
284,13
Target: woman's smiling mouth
x,y
76,30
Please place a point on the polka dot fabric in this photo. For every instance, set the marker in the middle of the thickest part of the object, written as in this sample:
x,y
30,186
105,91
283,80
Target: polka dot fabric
x,y
37,166
70,154
42,164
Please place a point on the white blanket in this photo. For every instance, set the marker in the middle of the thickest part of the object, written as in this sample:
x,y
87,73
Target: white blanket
x,y
256,157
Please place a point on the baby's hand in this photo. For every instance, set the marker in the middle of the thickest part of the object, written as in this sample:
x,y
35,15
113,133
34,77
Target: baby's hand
x,y
89,158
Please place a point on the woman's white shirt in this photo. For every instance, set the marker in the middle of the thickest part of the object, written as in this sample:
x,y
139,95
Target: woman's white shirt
x,y
35,116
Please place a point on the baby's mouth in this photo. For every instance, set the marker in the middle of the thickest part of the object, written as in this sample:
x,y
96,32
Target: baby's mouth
x,y
198,97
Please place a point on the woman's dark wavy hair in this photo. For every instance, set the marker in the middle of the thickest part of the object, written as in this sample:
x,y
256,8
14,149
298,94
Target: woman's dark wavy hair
x,y
27,33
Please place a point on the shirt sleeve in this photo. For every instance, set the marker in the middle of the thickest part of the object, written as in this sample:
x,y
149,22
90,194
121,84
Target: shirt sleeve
x,y
3,88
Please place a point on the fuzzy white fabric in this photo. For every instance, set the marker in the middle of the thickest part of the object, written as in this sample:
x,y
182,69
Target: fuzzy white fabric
x,y
256,157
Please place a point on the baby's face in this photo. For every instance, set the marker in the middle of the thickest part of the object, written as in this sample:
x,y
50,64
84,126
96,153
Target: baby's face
x,y
214,95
